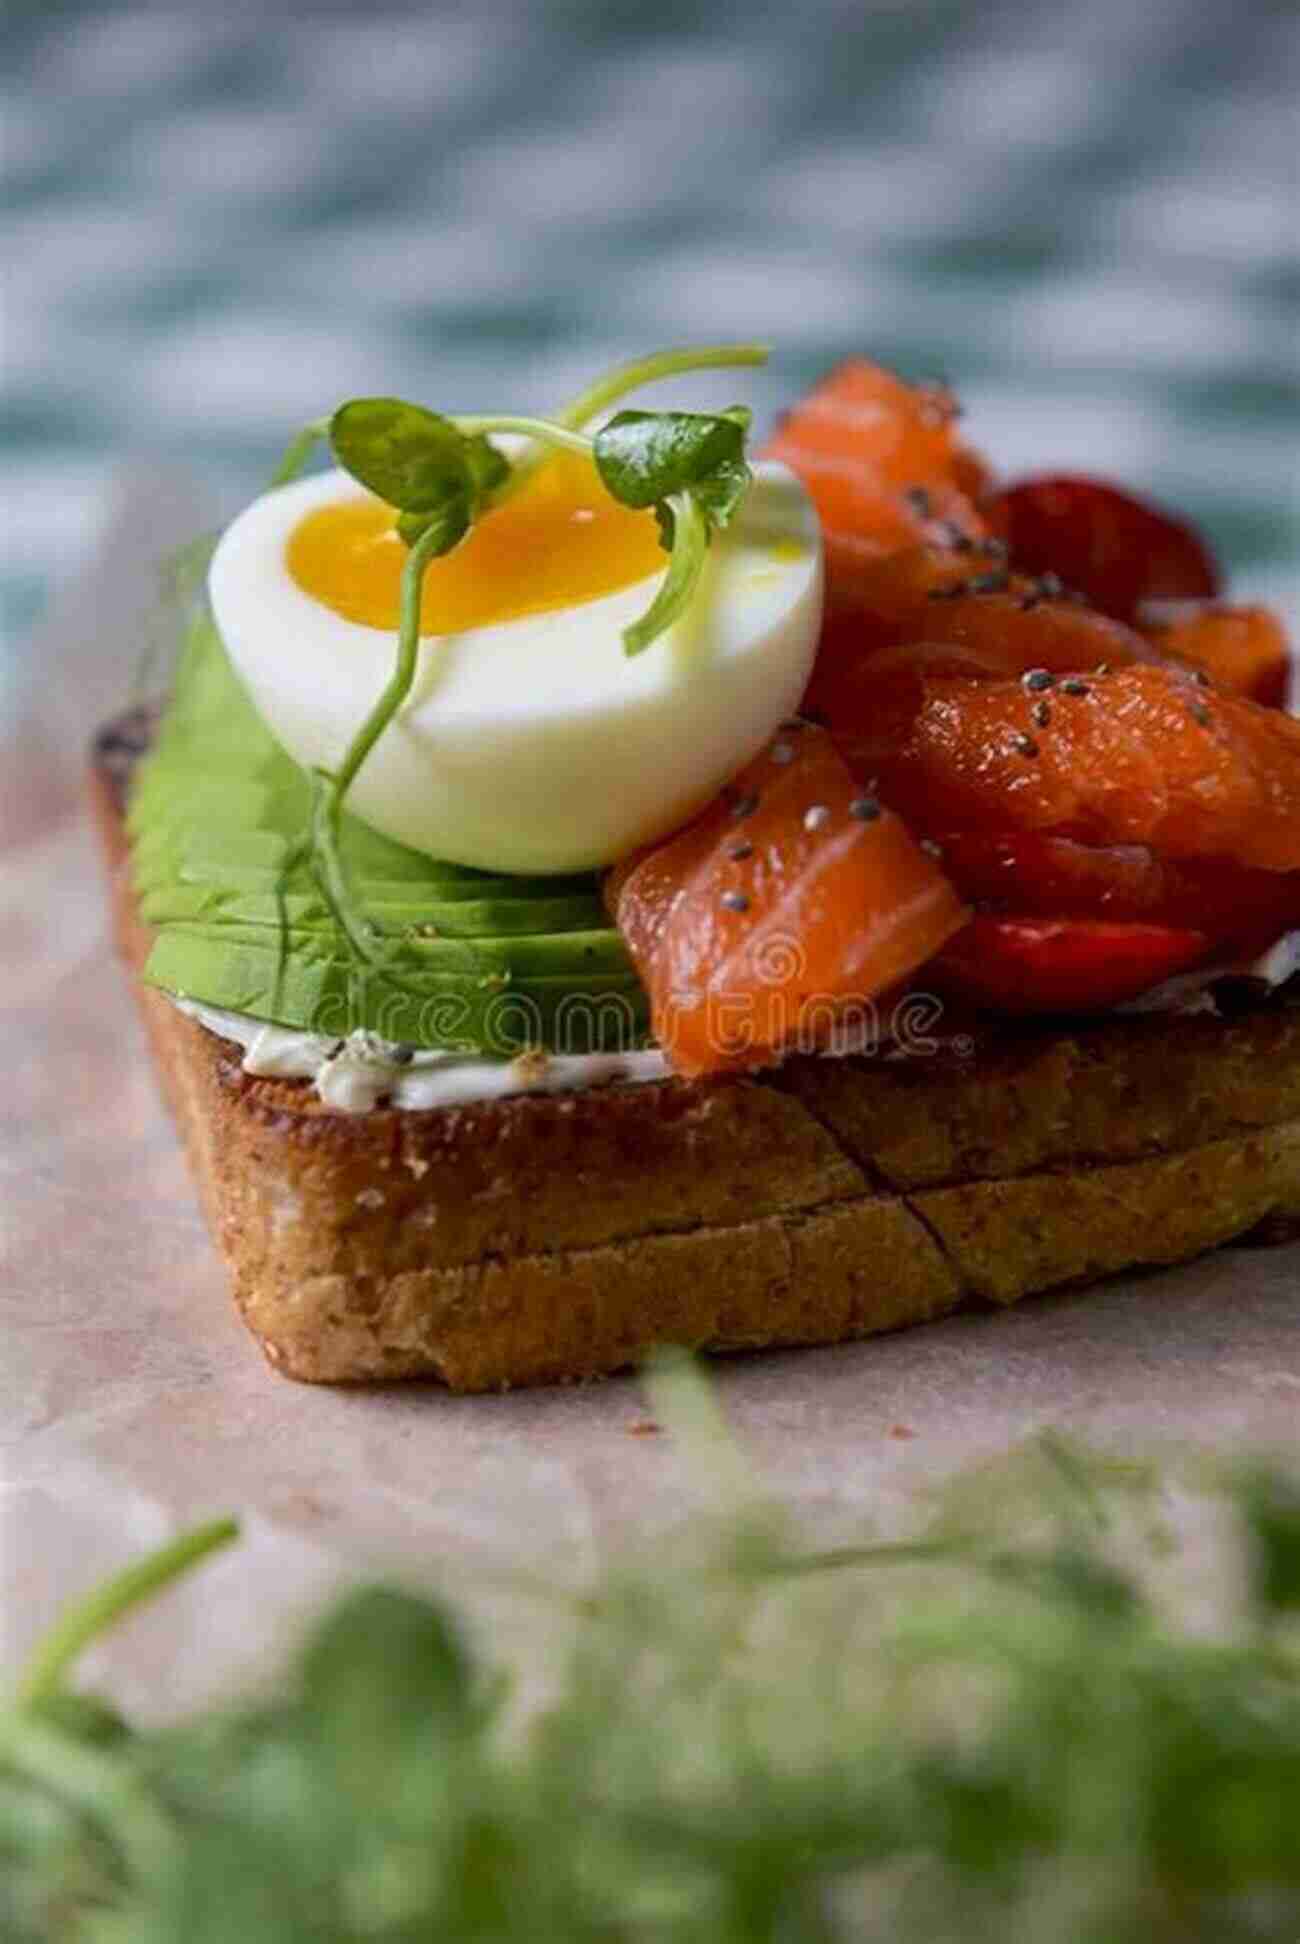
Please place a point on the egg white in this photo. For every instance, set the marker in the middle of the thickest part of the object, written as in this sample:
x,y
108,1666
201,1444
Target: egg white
x,y
534,745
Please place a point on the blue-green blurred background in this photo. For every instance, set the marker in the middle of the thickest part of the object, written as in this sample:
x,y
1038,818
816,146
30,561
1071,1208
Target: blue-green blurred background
x,y
219,220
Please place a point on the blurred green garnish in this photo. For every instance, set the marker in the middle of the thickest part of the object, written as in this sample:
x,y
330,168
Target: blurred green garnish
x,y
998,1726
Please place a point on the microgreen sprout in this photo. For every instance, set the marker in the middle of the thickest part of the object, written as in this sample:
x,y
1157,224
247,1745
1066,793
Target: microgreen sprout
x,y
298,451
690,466
672,363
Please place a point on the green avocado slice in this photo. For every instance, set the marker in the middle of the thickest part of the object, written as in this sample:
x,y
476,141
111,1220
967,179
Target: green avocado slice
x,y
474,960
185,900
465,1011
542,955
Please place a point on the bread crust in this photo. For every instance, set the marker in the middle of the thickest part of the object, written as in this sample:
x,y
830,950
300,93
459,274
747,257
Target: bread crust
x,y
557,1236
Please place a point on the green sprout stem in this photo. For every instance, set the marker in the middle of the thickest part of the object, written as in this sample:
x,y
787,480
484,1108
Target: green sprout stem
x,y
544,431
398,687
324,850
299,451
324,844
625,378
109,1603
685,565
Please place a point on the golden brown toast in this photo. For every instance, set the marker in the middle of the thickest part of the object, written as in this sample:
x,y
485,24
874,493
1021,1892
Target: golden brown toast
x,y
556,1236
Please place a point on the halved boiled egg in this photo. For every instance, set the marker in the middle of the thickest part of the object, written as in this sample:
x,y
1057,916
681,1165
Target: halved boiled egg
x,y
531,742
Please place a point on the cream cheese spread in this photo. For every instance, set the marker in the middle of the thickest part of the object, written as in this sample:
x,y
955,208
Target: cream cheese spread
x,y
353,1075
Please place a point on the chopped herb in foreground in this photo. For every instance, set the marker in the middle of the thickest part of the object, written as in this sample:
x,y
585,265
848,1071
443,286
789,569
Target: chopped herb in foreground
x,y
993,1726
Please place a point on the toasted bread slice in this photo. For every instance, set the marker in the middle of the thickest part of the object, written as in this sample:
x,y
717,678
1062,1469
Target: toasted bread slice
x,y
547,1237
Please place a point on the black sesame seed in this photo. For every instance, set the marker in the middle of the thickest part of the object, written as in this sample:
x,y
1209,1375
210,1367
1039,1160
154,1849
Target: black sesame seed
x,y
1028,602
993,583
865,809
957,538
1050,586
1075,687
919,500
793,724
1042,714
1199,714
744,806
1038,679
1024,745
402,1054
817,817
1201,679
739,852
735,901
953,592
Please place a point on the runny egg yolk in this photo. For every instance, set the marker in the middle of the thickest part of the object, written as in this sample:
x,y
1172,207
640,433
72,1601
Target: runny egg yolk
x,y
560,541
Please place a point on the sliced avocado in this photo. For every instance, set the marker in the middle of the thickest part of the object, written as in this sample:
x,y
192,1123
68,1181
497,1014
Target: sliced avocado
x,y
478,960
543,955
486,1013
253,859
186,901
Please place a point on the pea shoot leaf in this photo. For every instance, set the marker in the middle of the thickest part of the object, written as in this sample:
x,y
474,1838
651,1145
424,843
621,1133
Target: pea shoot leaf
x,y
646,457
682,464
418,462
489,468
411,457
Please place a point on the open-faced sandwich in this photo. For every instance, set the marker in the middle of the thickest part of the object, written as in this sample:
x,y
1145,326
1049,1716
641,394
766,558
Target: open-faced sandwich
x,y
587,891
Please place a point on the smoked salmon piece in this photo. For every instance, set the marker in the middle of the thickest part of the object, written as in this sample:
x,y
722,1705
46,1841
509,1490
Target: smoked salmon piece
x,y
1241,648
1002,624
774,919
1139,755
1115,549
881,460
